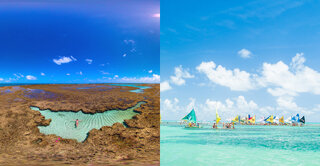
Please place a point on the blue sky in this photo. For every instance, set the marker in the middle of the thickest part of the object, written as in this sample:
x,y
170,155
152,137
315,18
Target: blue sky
x,y
79,41
243,57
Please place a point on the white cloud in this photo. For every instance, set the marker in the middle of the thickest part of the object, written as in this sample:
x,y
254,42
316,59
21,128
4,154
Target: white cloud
x,y
124,55
234,79
154,79
1,79
30,77
89,61
150,71
116,76
43,74
164,86
103,72
68,74
80,73
64,59
290,80
244,53
227,109
179,76
171,109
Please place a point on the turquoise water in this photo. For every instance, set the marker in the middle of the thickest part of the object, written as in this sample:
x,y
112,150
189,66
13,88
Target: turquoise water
x,y
246,145
140,90
63,123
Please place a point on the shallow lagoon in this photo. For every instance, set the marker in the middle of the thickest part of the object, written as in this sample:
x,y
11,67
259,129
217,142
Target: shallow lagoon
x,y
63,123
140,90
246,145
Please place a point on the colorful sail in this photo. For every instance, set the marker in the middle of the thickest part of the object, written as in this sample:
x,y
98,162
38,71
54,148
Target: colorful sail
x,y
217,116
191,117
269,119
252,120
295,119
302,120
236,119
243,120
281,120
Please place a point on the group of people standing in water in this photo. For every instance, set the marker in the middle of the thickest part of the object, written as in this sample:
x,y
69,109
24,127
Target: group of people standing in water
x,y
225,125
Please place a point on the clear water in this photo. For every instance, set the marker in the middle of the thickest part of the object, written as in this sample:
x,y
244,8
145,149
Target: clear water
x,y
63,123
140,90
246,145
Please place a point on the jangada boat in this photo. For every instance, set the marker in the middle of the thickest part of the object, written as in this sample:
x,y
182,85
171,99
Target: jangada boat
x,y
191,120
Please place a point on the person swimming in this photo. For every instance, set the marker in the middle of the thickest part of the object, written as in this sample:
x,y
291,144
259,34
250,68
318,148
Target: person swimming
x,y
77,123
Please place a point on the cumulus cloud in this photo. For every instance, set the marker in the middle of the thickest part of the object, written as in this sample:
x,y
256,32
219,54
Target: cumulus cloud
x,y
89,61
43,74
30,77
164,86
171,109
230,107
180,75
1,79
124,55
150,71
244,53
290,80
234,79
154,79
68,74
283,81
64,59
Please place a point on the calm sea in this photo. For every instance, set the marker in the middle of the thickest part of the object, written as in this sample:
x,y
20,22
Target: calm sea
x,y
245,145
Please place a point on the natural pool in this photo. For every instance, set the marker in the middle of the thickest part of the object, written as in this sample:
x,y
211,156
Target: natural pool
x,y
63,123
140,90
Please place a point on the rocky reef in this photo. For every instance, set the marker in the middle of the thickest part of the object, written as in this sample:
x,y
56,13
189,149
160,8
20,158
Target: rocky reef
x,y
136,142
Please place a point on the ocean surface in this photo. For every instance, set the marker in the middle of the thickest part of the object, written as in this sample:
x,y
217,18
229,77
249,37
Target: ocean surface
x,y
63,123
12,84
245,145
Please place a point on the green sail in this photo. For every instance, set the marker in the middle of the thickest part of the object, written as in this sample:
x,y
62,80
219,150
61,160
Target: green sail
x,y
191,117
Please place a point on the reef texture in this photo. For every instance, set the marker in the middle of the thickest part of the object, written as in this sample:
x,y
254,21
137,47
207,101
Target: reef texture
x,y
21,143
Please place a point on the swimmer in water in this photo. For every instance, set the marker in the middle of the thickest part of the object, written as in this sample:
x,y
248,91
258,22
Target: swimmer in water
x,y
77,123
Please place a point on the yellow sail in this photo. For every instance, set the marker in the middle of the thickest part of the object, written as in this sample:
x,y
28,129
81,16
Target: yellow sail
x,y
236,119
281,120
270,119
217,116
252,120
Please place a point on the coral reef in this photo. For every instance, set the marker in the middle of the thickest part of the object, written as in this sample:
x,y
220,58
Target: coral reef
x,y
137,142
